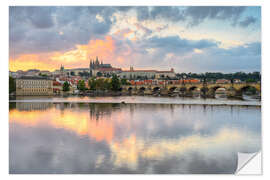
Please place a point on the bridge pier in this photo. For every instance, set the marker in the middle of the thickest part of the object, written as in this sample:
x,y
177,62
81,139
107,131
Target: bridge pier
x,y
186,90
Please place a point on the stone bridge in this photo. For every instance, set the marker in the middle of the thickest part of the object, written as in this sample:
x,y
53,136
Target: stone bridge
x,y
207,90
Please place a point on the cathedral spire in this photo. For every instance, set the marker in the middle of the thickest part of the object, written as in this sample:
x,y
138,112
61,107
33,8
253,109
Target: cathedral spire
x,y
97,61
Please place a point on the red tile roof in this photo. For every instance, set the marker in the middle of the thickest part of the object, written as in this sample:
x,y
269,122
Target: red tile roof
x,y
164,71
140,71
109,69
55,83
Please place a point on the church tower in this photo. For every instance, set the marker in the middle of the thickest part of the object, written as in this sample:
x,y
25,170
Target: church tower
x,y
62,68
97,62
91,64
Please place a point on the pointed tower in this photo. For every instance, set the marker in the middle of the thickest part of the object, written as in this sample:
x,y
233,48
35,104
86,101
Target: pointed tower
x,y
62,68
90,64
97,61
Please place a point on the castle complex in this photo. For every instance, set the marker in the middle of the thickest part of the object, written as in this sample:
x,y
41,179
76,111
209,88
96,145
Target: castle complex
x,y
95,64
97,68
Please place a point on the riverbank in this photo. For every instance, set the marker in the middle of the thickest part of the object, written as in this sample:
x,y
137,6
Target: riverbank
x,y
138,100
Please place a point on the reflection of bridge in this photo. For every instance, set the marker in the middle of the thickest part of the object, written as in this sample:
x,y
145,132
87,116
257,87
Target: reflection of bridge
x,y
208,89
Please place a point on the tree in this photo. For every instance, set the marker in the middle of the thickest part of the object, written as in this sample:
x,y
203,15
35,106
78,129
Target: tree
x,y
66,86
72,73
100,84
107,84
92,83
12,84
250,80
43,75
115,83
81,85
124,81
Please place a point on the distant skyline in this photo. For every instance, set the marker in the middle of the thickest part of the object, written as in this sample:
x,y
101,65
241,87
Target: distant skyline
x,y
188,39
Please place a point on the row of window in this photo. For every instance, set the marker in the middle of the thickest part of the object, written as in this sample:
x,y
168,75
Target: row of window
x,y
34,82
30,87
34,90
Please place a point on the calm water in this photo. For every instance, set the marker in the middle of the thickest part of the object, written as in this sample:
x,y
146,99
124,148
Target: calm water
x,y
58,137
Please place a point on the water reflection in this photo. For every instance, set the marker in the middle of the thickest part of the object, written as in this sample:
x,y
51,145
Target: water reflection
x,y
130,138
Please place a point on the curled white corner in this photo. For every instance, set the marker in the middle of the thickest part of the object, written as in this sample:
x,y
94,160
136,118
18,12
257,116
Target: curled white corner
x,y
249,164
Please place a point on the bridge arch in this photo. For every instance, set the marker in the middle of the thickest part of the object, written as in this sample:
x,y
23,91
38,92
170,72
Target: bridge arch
x,y
173,88
245,87
142,88
214,88
192,88
249,88
157,88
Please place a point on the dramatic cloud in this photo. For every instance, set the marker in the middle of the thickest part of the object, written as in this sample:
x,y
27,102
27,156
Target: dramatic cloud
x,y
165,12
55,28
145,37
248,21
195,15
199,14
176,44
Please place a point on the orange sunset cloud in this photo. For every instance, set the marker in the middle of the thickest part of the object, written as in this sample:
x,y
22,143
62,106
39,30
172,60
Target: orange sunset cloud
x,y
78,57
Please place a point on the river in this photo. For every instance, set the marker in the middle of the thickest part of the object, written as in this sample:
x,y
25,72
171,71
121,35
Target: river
x,y
145,135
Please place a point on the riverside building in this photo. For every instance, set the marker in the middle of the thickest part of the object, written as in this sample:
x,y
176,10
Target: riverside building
x,y
35,86
149,74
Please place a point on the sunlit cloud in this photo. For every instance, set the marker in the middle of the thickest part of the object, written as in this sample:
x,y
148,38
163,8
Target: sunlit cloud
x,y
80,56
31,61
128,152
122,37
198,51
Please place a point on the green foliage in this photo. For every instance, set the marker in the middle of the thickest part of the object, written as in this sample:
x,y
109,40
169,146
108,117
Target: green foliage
x,y
250,80
12,84
124,82
99,84
81,85
256,76
107,84
43,75
251,90
92,83
66,86
115,83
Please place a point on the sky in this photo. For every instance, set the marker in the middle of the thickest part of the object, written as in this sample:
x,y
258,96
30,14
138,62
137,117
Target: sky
x,y
188,38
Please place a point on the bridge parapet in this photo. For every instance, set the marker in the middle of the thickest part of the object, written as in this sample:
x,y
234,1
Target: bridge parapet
x,y
191,86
